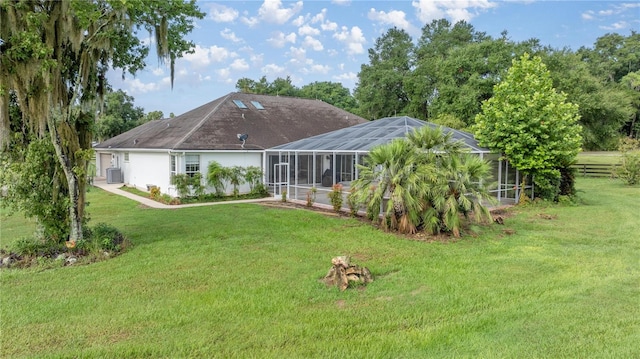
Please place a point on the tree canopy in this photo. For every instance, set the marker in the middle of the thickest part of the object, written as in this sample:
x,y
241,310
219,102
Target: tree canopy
x,y
54,59
332,93
453,68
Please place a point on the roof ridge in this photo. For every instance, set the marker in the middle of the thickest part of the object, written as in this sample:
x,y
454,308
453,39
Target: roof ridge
x,y
204,119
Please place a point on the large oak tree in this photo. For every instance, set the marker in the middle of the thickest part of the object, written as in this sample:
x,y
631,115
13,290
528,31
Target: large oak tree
x,y
54,57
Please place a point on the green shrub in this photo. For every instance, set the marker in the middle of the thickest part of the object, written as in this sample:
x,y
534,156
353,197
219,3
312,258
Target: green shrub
x,y
155,193
32,246
106,238
335,196
311,196
629,170
352,201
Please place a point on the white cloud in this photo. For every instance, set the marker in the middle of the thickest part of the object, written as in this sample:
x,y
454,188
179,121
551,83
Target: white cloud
x,y
239,65
457,10
223,74
319,17
256,60
299,21
395,18
353,39
250,21
298,54
272,11
341,2
279,39
273,70
312,43
221,13
347,76
329,26
588,15
230,35
319,69
203,56
158,71
138,87
616,26
308,30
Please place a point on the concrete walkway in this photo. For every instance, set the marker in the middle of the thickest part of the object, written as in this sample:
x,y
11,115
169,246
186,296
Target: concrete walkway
x,y
115,188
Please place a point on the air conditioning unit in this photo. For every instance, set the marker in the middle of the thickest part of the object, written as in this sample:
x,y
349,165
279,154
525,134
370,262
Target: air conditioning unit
x,y
114,175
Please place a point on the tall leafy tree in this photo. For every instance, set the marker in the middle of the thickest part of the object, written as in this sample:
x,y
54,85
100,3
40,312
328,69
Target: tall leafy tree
x,y
381,83
330,92
613,56
150,116
55,57
438,40
604,108
631,82
118,115
531,124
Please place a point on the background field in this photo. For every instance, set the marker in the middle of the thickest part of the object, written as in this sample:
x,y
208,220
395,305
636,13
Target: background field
x,y
243,281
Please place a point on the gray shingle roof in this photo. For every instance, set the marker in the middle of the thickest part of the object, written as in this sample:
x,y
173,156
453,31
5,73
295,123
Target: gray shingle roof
x,y
363,137
215,125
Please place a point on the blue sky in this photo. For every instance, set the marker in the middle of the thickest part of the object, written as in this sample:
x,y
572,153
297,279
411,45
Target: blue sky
x,y
328,40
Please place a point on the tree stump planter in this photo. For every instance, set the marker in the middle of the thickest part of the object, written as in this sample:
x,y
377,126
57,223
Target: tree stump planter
x,y
342,273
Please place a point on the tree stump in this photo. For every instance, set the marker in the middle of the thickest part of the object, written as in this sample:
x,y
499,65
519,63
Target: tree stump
x,y
342,272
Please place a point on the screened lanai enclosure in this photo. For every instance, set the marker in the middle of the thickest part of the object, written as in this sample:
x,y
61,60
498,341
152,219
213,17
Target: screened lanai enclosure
x,y
321,161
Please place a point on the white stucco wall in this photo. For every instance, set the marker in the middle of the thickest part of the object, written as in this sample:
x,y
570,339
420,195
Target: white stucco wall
x,y
149,168
153,167
230,159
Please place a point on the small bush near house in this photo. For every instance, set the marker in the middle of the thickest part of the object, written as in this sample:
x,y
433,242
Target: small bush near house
x,y
335,196
311,196
155,193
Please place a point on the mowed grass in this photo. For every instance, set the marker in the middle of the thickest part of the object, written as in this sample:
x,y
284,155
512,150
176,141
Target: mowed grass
x,y
601,157
242,281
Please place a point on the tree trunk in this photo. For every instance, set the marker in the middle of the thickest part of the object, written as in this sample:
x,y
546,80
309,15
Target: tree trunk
x,y
68,164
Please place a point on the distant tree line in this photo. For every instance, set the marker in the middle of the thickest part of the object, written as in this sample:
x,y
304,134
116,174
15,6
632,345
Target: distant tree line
x,y
332,93
446,75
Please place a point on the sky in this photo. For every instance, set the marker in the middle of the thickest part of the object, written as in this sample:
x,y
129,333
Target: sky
x,y
329,40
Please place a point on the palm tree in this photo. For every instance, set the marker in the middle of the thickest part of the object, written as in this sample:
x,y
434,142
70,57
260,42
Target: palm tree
x,y
460,191
216,176
429,180
235,175
395,170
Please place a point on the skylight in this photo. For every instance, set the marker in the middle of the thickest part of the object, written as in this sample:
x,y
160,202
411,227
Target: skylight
x,y
240,104
257,105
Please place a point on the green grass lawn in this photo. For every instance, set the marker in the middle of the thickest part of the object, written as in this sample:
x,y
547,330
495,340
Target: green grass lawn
x,y
242,280
602,157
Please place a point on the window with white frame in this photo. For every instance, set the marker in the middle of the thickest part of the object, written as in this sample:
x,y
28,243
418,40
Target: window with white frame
x,y
191,164
173,165
126,156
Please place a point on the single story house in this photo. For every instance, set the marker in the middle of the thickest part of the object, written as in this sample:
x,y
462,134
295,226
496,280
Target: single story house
x,y
234,130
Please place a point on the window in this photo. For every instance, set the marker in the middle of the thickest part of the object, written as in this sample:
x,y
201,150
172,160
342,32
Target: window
x,y
126,156
191,164
240,104
172,165
257,105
